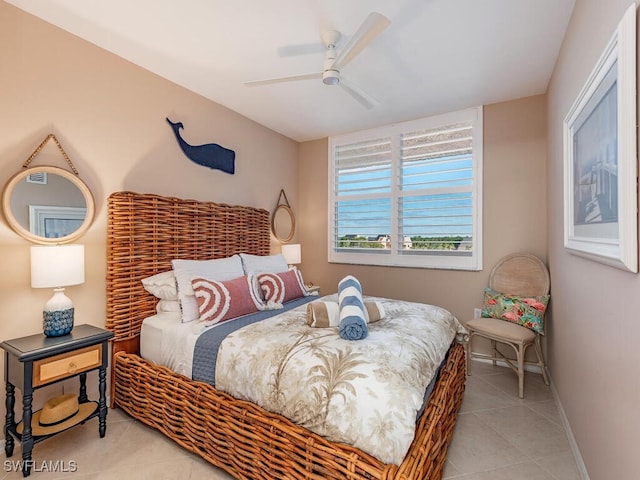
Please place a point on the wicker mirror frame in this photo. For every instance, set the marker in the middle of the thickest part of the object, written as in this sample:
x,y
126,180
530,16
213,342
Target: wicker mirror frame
x,y
17,227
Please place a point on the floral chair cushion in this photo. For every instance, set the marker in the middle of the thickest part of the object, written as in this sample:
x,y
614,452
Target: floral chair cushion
x,y
525,311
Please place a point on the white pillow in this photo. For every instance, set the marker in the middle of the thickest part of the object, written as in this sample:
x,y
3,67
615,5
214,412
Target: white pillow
x,y
162,285
186,270
255,264
167,306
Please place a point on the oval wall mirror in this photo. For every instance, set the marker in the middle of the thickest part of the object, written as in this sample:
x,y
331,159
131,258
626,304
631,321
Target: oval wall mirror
x,y
47,204
283,223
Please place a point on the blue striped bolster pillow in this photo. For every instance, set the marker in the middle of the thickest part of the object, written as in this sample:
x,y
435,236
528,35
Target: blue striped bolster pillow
x,y
353,320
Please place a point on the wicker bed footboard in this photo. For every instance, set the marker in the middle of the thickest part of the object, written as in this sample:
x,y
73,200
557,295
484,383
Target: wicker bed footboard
x,y
251,443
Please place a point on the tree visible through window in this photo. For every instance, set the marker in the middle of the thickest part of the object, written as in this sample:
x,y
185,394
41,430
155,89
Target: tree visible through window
x,y
408,194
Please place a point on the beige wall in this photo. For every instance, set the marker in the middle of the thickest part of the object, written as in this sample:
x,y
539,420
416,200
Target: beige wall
x,y
109,116
514,213
593,342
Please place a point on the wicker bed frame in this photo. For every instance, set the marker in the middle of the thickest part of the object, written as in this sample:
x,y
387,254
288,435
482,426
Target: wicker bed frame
x,y
145,233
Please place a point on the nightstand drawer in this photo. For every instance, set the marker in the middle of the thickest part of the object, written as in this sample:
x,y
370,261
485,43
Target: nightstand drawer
x,y
66,364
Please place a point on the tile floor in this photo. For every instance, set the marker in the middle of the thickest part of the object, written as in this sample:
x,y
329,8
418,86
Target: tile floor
x,y
497,437
501,437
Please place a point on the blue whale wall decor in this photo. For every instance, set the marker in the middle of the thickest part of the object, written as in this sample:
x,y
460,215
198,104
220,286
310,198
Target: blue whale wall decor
x,y
210,155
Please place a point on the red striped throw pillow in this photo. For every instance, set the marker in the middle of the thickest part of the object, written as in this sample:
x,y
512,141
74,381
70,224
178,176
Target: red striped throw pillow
x,y
224,300
279,288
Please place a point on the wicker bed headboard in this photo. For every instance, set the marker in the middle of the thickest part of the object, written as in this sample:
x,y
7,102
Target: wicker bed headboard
x,y
145,232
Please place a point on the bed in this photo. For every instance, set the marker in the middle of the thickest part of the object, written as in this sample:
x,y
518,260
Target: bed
x,y
145,232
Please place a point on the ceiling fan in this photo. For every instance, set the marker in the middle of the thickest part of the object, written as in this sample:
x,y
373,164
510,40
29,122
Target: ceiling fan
x,y
373,25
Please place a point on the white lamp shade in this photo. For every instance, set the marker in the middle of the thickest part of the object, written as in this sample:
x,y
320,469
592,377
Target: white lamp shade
x,y
292,253
57,265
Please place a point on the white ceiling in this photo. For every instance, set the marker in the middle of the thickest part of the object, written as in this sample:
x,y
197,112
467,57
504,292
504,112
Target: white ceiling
x,y
436,55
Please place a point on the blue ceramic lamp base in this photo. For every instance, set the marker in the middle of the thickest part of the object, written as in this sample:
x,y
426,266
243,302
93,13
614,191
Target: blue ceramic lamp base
x,y
57,323
57,318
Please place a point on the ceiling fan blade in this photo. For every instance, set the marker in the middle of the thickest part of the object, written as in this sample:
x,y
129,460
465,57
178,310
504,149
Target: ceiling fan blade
x,y
306,76
356,92
373,25
301,49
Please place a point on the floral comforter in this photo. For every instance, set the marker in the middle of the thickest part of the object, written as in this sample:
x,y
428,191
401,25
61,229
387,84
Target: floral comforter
x,y
365,393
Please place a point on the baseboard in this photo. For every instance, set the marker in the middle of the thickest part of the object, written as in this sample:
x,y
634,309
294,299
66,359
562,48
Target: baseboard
x,y
502,363
582,468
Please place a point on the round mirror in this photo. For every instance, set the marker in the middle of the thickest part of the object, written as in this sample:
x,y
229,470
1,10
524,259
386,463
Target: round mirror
x,y
283,223
48,205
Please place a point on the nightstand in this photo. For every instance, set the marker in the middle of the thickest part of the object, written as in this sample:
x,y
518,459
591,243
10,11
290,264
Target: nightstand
x,y
313,288
35,361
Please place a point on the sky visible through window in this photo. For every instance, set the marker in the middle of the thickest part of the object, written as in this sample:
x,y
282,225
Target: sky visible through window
x,y
434,201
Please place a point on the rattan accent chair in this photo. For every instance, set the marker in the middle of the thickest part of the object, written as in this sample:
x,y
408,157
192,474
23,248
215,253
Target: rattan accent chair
x,y
519,274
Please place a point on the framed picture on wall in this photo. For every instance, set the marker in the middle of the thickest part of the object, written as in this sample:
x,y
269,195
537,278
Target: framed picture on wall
x,y
600,157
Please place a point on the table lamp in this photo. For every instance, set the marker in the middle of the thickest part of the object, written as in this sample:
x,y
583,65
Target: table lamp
x,y
57,266
292,253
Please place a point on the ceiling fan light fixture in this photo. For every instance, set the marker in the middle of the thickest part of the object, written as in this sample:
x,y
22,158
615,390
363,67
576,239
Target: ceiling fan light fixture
x,y
330,77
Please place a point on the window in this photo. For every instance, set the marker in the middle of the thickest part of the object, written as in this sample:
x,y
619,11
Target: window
x,y
409,194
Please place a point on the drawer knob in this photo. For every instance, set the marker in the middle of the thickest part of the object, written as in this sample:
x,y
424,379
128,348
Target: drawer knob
x,y
73,368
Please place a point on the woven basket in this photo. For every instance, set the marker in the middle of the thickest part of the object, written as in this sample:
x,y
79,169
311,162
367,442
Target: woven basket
x,y
145,232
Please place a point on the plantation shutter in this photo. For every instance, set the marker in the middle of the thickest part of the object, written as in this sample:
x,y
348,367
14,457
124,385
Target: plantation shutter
x,y
435,207
363,186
